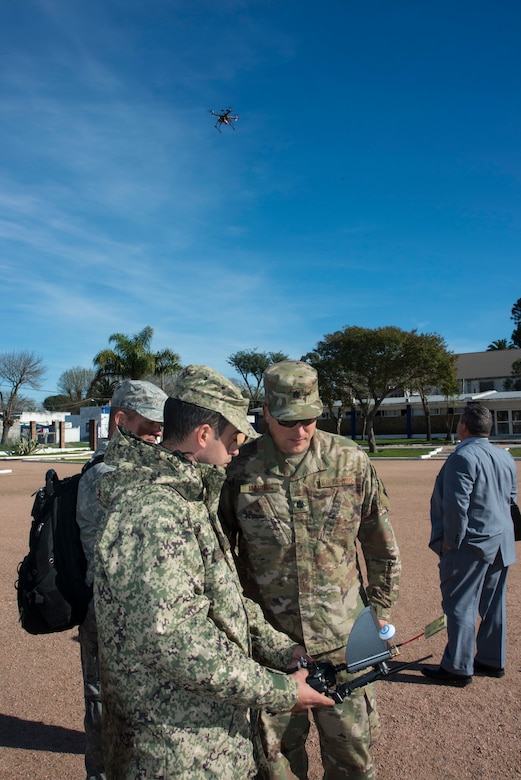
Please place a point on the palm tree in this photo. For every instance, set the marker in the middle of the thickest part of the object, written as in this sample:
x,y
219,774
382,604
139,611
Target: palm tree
x,y
167,363
101,390
132,358
500,344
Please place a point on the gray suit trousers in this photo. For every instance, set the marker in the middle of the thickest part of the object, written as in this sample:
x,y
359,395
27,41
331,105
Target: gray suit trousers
x,y
472,587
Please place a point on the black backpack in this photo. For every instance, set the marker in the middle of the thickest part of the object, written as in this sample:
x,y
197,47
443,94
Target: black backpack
x,y
52,594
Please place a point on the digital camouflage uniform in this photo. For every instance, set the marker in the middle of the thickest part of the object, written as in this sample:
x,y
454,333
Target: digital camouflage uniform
x,y
88,516
177,636
294,522
148,401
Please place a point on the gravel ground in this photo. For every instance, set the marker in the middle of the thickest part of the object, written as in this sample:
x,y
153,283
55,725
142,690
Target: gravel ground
x,y
428,732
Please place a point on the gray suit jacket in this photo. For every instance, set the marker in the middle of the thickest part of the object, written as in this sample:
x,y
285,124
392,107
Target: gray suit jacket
x,y
470,504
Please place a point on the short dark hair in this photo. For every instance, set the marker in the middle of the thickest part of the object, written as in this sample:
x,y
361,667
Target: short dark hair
x,y
182,418
478,419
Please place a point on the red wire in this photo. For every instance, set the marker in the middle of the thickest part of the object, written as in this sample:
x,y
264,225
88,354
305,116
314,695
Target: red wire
x,y
411,640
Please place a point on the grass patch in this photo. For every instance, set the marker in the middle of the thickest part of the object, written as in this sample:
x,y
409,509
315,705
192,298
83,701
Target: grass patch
x,y
405,442
79,452
402,448
401,452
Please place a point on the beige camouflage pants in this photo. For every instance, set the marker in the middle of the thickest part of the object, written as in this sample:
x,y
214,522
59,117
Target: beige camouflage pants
x,y
346,733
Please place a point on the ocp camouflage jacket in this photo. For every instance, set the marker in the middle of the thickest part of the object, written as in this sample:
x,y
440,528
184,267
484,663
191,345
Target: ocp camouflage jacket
x,y
295,533
176,635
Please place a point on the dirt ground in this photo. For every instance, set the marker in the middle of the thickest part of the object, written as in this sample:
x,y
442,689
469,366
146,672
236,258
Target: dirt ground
x,y
428,731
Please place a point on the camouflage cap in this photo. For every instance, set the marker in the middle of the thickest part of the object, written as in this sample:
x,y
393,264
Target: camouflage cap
x,y
291,391
202,386
142,397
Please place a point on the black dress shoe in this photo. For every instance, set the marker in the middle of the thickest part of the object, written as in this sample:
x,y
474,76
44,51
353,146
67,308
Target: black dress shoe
x,y
441,676
484,670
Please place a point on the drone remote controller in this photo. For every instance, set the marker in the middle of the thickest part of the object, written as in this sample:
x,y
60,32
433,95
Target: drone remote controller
x,y
367,646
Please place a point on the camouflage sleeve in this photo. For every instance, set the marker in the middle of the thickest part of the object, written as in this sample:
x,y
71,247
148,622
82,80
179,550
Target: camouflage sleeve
x,y
379,547
89,513
270,647
185,616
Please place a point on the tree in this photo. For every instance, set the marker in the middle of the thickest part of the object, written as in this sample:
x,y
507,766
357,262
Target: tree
x,y
132,358
102,390
57,403
27,404
515,382
499,344
17,370
165,381
251,365
371,363
335,391
433,366
516,316
75,384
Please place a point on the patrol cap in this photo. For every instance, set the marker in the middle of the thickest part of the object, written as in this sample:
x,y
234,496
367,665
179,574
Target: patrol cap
x,y
202,386
291,391
142,397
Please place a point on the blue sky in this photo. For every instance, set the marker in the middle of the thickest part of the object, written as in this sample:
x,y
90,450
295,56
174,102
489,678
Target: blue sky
x,y
373,177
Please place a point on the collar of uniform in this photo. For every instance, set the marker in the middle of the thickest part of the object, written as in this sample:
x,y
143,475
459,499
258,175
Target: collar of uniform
x,y
196,481
276,462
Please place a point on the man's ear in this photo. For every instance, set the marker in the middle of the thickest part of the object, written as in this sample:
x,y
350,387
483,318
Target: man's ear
x,y
464,430
204,435
119,417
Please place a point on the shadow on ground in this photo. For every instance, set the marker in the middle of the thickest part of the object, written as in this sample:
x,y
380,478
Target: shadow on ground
x,y
35,735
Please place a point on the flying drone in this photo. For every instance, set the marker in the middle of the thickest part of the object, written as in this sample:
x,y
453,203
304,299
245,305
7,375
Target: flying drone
x,y
224,117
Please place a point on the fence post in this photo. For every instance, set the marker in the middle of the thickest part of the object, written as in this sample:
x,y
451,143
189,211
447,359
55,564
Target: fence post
x,y
93,434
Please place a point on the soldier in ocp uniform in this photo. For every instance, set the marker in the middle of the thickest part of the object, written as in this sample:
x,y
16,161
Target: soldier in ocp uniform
x,y
177,638
294,505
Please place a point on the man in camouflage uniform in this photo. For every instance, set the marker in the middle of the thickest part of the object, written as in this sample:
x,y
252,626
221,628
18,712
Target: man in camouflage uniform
x,y
294,505
138,407
177,637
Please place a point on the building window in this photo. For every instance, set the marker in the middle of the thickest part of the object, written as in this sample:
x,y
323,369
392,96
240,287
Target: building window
x,y
516,421
502,423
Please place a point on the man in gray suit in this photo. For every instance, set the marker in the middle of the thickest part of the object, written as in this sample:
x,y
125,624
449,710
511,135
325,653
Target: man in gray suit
x,y
472,532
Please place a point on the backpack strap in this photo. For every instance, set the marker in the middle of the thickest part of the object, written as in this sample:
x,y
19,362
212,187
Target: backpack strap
x,y
98,459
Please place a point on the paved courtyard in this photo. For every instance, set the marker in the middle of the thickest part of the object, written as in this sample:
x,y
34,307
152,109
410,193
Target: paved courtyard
x,y
428,732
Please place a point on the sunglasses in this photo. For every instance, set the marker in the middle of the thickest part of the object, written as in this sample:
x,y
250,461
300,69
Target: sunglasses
x,y
292,423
